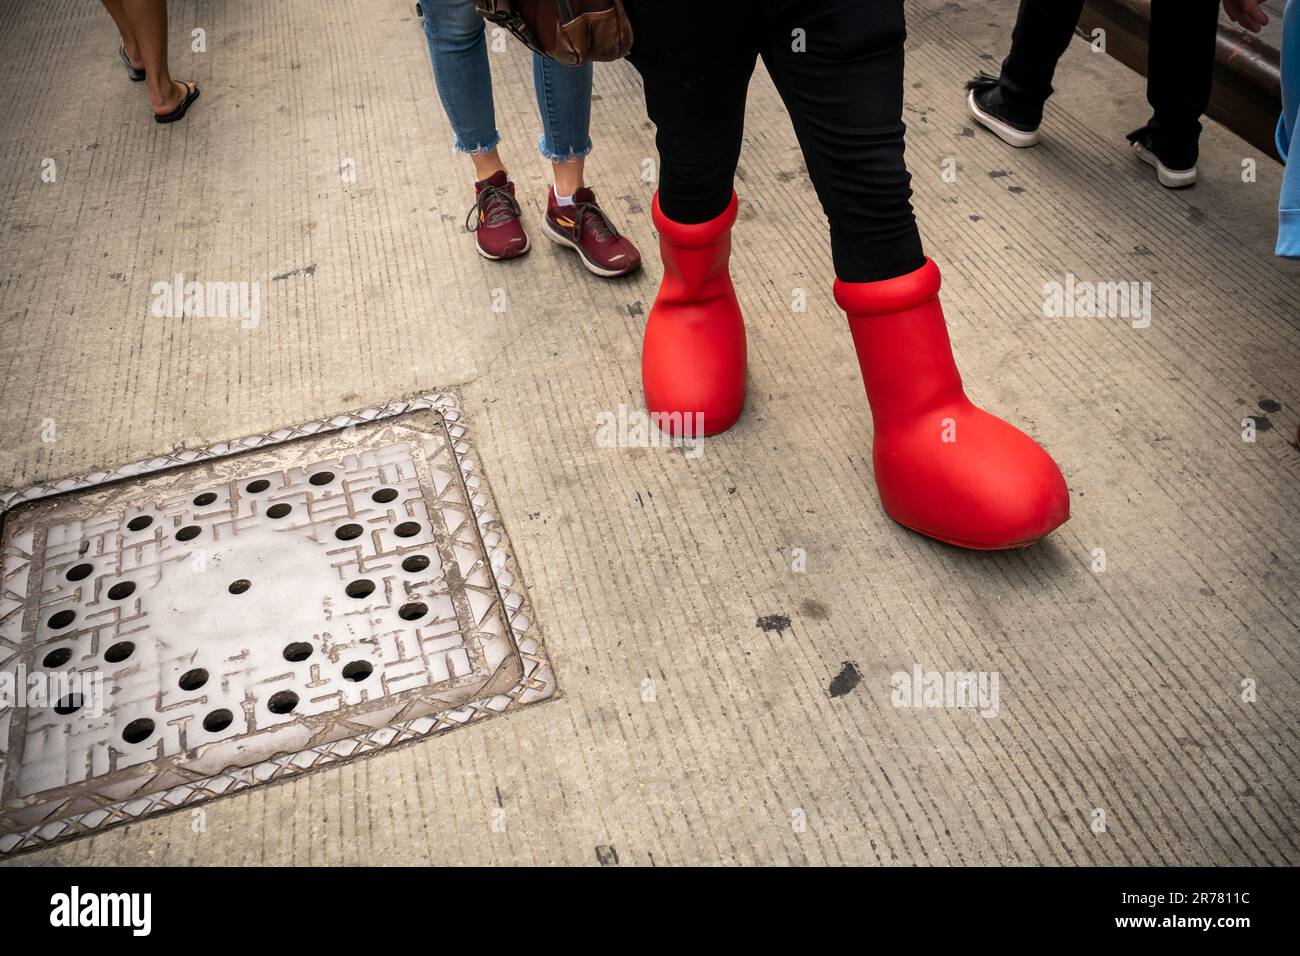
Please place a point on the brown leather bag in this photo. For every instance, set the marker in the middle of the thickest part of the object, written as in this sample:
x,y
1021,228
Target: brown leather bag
x,y
568,31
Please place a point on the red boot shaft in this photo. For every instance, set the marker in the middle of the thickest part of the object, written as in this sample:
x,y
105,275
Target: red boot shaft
x,y
693,355
944,467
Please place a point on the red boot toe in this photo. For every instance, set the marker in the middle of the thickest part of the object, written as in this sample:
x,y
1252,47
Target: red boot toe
x,y
944,466
968,478
692,369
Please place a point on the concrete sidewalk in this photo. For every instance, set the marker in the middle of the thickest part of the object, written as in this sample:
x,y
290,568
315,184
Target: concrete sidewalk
x,y
724,628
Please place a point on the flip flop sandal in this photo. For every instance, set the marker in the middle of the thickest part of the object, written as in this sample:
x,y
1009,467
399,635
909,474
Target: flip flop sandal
x,y
177,113
135,75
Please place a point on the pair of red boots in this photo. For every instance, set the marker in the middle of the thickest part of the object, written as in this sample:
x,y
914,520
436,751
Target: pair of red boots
x,y
944,467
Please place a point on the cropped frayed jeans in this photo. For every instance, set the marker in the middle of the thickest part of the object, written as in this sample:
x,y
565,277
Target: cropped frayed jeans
x,y
458,50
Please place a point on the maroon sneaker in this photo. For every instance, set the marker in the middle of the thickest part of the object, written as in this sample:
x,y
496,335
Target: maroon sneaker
x,y
494,220
585,228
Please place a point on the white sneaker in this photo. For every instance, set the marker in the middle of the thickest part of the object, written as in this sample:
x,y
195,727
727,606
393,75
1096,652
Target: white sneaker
x,y
1169,178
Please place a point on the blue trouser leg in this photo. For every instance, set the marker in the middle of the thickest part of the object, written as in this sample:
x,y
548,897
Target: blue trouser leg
x,y
461,73
564,103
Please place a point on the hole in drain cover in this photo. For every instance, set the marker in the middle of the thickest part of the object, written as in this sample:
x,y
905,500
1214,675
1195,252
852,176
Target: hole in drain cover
x,y
194,679
57,657
138,730
61,619
358,670
68,705
282,702
218,720
240,586
416,562
297,651
412,611
123,589
119,652
361,588
79,571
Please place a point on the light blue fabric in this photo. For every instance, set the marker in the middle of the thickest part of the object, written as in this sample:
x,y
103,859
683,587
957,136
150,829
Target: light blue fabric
x,y
1288,139
458,50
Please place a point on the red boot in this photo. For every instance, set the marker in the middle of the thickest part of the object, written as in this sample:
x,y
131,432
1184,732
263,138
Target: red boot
x,y
693,357
944,467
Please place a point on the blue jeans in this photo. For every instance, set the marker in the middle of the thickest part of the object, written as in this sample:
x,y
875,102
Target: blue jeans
x,y
460,71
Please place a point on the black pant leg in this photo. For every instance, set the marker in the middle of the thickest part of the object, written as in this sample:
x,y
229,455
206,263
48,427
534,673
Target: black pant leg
x,y
1180,73
695,61
1043,31
844,91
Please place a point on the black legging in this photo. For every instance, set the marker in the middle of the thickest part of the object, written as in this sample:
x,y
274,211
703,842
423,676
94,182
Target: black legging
x,y
838,65
1180,66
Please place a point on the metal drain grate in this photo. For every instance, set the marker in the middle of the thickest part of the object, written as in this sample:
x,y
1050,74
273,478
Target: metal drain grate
x,y
252,610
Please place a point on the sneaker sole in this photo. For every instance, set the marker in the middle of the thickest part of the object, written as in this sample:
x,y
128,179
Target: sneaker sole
x,y
560,239
1008,134
1169,178
528,244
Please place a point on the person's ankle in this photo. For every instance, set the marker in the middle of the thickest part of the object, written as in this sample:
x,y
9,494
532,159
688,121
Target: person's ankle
x,y
1019,104
168,97
482,178
1177,152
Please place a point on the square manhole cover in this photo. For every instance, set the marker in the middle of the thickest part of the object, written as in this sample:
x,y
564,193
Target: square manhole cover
x,y
194,625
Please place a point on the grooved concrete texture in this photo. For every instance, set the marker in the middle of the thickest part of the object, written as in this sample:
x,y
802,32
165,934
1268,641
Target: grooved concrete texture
x,y
714,698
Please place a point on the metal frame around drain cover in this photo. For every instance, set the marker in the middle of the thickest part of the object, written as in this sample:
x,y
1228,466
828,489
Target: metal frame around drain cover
x,y
477,655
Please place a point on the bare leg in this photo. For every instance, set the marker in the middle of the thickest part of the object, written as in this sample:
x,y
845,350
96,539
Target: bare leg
x,y
148,20
568,175
485,164
129,42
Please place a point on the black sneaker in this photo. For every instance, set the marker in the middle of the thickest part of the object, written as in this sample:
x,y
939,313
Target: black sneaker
x,y
984,97
1174,172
